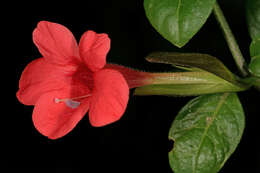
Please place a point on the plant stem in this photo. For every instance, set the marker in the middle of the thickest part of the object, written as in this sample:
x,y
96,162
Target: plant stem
x,y
231,41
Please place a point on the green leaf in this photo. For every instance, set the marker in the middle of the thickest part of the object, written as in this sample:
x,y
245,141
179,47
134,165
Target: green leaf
x,y
187,89
253,80
253,18
206,74
178,20
255,47
254,66
196,60
205,133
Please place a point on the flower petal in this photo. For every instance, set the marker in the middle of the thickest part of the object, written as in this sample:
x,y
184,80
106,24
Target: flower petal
x,y
109,97
56,43
39,77
93,49
55,120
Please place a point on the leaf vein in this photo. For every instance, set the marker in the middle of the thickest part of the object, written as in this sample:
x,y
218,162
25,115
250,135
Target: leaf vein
x,y
178,20
219,105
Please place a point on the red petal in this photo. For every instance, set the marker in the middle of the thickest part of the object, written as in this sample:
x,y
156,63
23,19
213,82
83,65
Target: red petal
x,y
55,120
93,49
56,43
109,98
39,77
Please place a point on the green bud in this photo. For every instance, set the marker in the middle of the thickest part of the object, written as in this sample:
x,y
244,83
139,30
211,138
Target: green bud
x,y
254,66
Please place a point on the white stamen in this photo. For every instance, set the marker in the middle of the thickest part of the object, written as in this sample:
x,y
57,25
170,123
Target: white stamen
x,y
71,102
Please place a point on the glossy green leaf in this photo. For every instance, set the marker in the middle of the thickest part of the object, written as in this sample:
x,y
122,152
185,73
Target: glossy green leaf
x,y
253,18
178,20
205,133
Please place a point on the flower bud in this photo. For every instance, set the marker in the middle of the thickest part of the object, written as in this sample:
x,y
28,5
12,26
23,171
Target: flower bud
x,y
254,66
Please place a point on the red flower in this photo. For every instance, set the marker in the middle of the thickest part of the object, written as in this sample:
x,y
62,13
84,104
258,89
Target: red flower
x,y
71,80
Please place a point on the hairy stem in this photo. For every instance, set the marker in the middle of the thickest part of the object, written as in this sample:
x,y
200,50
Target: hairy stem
x,y
231,41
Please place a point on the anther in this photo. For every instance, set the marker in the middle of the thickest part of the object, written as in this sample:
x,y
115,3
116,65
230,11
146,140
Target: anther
x,y
72,104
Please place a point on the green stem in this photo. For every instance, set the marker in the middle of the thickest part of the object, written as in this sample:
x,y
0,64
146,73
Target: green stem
x,y
231,41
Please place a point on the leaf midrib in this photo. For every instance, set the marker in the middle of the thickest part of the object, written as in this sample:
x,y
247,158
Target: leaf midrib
x,y
221,101
178,20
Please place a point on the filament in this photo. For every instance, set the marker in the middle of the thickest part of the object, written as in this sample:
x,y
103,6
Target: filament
x,y
57,100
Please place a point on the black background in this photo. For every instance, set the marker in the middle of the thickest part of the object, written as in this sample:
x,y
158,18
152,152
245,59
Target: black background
x,y
139,141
